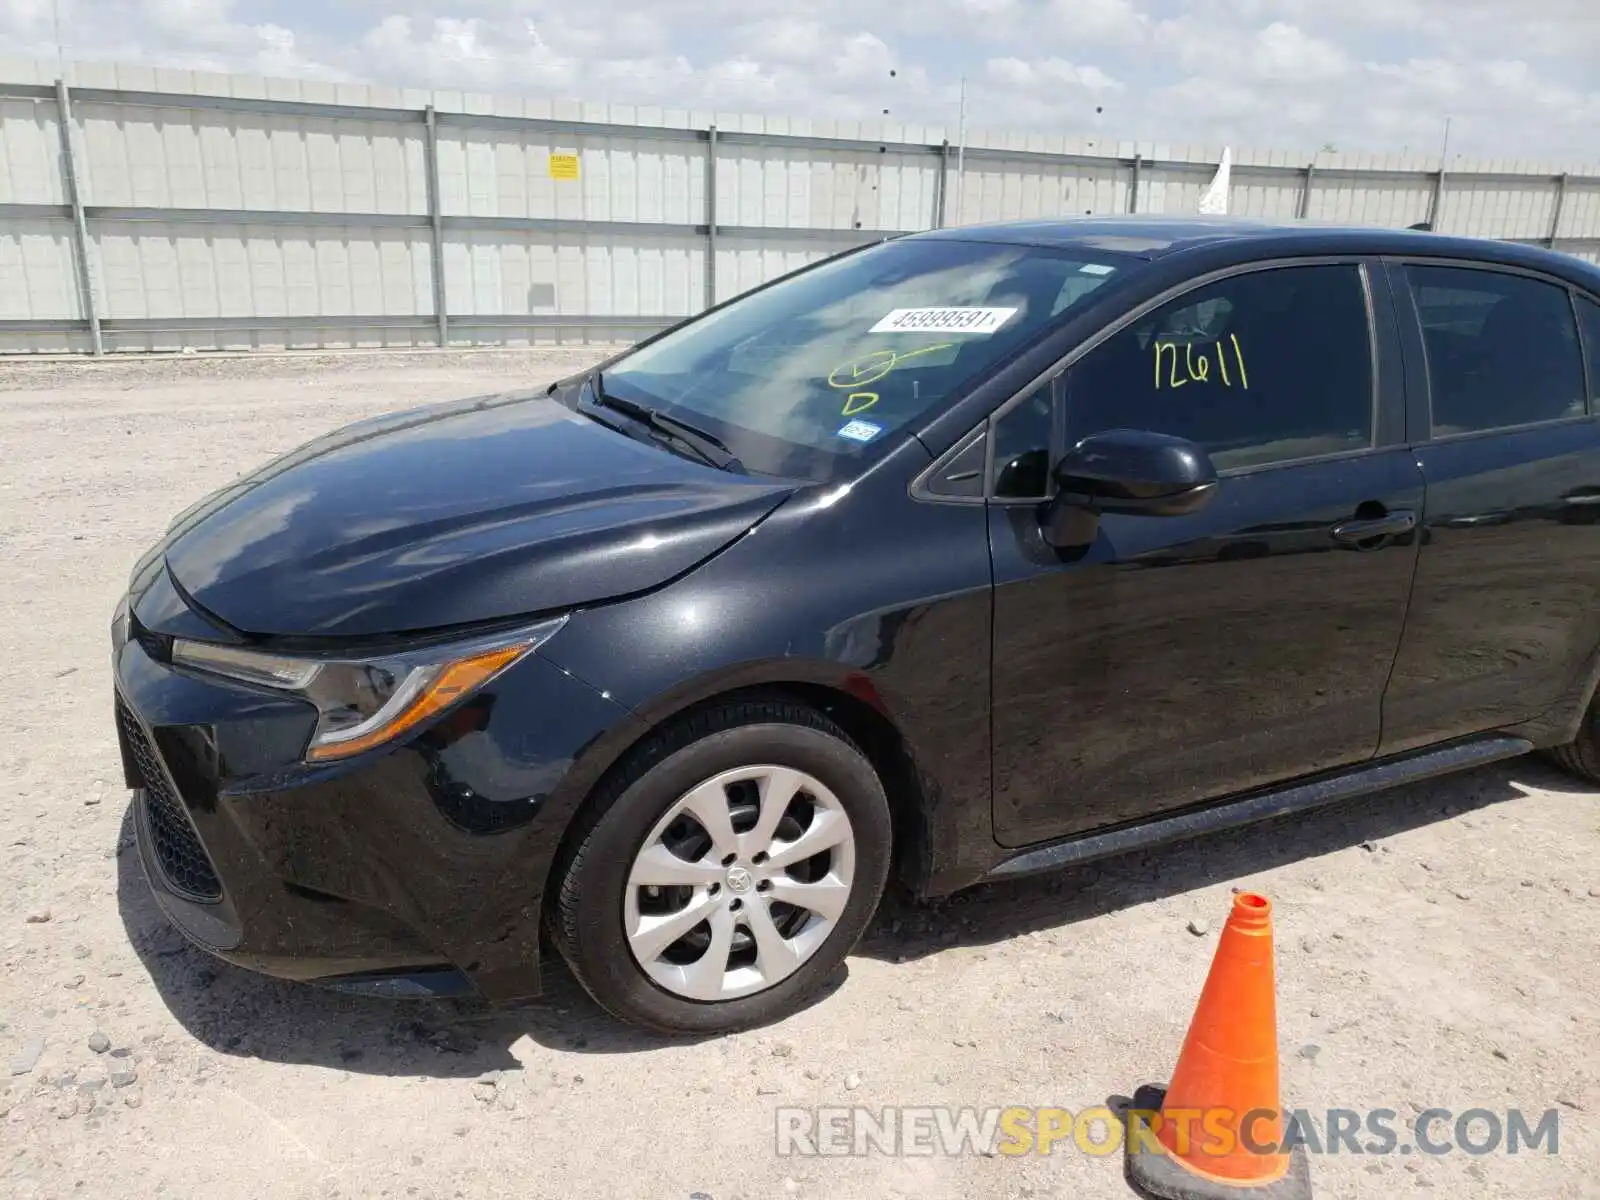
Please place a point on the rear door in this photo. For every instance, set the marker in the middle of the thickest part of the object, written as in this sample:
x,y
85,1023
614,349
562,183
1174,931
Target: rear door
x,y
1171,660
1505,616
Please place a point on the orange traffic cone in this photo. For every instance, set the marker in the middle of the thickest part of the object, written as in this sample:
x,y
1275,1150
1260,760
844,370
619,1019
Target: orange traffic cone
x,y
1217,1130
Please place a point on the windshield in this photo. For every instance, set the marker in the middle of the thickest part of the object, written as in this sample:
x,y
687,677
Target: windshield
x,y
811,375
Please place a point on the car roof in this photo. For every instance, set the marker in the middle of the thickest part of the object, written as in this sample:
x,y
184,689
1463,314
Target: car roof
x,y
1154,237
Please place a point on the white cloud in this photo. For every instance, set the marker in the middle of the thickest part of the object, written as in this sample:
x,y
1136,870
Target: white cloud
x,y
864,57
1282,51
473,53
987,10
1517,77
786,40
1275,52
1049,72
1535,28
1087,22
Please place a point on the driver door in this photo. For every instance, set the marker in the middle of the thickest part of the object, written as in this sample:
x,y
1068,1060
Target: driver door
x,y
1176,659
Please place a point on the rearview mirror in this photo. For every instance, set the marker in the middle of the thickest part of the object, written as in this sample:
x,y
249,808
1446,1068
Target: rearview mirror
x,y
1136,472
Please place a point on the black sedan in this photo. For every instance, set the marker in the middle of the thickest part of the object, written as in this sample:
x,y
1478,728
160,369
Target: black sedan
x,y
954,557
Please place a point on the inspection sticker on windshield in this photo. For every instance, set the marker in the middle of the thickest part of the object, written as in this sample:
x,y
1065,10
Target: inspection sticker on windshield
x,y
859,431
944,320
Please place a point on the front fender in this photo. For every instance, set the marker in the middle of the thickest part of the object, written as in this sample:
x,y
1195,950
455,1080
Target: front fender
x,y
900,622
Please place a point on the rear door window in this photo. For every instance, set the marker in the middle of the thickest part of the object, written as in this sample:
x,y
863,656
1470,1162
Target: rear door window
x,y
1502,349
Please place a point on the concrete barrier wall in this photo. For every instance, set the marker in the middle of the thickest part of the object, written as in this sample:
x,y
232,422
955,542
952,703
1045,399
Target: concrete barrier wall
x,y
229,211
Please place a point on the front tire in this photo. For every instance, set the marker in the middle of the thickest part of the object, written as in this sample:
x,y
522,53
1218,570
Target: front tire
x,y
727,871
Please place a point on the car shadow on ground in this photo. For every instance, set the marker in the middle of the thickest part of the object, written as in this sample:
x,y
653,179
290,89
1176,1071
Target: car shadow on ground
x,y
238,1013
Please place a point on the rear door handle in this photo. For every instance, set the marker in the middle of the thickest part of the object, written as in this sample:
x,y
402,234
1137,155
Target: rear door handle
x,y
1351,533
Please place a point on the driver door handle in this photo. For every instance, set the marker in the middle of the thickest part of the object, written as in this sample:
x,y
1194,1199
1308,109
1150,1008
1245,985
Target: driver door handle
x,y
1351,533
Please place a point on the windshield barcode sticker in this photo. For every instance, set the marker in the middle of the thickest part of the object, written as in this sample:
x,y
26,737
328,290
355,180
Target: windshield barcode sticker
x,y
944,320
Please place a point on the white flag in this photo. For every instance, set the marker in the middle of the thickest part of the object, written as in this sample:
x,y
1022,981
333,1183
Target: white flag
x,y
1215,200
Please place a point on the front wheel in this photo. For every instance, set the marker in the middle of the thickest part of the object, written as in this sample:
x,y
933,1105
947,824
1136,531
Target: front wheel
x,y
720,881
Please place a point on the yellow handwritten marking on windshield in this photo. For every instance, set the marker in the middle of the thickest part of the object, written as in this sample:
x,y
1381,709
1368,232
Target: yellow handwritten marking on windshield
x,y
858,402
869,368
1198,370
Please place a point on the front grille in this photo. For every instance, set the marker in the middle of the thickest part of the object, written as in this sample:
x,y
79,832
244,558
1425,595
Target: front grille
x,y
183,859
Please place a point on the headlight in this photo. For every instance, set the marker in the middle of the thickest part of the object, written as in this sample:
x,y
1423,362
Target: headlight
x,y
362,703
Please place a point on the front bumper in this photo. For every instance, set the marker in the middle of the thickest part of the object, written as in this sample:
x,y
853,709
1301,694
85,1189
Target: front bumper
x,y
417,868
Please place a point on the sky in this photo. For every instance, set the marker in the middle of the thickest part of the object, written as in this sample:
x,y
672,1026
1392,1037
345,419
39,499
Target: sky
x,y
1515,78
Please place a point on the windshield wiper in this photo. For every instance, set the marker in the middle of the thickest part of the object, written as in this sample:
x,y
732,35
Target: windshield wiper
x,y
708,447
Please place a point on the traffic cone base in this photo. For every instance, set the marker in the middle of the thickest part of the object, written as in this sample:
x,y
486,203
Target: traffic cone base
x,y
1151,1172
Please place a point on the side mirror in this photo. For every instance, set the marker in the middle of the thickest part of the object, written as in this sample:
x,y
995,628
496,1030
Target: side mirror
x,y
1135,472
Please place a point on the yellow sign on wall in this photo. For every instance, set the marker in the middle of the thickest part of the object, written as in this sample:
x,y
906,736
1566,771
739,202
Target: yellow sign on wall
x,y
563,166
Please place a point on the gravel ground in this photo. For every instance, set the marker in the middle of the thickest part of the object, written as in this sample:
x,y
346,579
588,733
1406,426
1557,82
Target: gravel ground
x,y
1436,945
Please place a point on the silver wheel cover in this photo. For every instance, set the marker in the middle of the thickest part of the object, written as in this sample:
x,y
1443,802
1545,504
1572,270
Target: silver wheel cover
x,y
756,904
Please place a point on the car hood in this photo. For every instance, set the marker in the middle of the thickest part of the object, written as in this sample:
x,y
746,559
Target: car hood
x,y
475,510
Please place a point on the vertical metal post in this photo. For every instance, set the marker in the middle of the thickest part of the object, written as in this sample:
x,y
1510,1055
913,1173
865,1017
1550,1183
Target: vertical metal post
x,y
435,221
941,185
1437,202
961,151
1133,184
711,216
80,227
1555,217
1305,191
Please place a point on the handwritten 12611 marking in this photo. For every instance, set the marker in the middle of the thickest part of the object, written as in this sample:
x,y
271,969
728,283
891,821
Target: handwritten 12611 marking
x,y
1197,369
